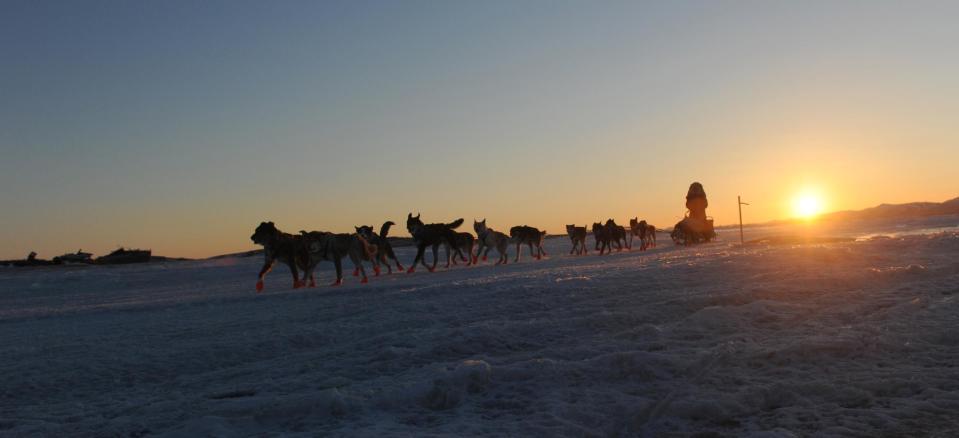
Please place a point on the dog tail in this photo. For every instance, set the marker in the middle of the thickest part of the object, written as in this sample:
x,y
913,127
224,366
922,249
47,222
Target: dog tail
x,y
386,228
453,225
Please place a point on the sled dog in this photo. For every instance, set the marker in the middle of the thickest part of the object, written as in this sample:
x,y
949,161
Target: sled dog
x,y
464,242
526,235
487,239
577,235
602,237
617,234
645,232
431,235
385,249
332,247
277,245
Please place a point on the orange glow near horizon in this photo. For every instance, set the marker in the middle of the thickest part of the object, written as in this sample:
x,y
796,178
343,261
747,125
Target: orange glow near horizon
x,y
807,205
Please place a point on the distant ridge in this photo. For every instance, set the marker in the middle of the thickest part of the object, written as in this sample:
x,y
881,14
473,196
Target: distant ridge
x,y
881,211
890,211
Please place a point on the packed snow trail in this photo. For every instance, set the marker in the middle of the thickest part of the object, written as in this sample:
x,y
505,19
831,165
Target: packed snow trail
x,y
847,339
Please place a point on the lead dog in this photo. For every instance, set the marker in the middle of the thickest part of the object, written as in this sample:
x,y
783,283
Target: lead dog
x,y
385,249
277,245
488,239
432,235
577,235
531,236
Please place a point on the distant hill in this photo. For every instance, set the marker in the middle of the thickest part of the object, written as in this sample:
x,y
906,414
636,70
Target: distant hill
x,y
882,211
893,211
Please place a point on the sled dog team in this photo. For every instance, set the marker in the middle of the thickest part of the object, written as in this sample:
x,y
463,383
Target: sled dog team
x,y
304,251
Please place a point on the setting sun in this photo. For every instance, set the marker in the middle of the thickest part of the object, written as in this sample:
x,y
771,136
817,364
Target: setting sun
x,y
807,206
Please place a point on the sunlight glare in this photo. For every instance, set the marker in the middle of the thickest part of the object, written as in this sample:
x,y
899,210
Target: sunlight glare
x,y
807,206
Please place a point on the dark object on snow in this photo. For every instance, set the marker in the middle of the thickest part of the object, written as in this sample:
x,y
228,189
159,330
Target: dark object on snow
x,y
78,257
31,260
696,227
124,256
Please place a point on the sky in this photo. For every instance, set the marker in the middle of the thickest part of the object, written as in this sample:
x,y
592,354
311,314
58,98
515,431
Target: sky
x,y
180,125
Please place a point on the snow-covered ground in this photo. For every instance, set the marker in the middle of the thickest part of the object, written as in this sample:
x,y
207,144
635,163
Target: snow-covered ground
x,y
858,338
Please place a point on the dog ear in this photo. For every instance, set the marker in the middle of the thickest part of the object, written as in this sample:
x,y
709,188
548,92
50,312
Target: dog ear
x,y
409,216
417,215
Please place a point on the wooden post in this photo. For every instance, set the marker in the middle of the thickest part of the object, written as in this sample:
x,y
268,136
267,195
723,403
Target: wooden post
x,y
739,201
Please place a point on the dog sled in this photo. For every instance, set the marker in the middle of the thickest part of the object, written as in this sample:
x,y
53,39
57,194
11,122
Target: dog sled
x,y
691,231
695,227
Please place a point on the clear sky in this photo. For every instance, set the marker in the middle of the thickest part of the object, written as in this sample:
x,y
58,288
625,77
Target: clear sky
x,y
180,125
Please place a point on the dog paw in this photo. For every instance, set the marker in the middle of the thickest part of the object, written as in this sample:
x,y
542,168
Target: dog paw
x,y
259,286
356,272
338,282
364,280
411,270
